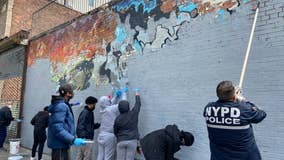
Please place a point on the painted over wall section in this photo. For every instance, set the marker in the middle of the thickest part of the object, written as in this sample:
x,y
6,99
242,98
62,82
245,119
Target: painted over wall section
x,y
176,52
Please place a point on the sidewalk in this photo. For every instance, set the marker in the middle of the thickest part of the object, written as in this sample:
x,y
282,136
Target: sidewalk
x,y
26,153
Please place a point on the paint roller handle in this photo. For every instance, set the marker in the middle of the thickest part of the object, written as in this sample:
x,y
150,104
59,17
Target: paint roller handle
x,y
87,141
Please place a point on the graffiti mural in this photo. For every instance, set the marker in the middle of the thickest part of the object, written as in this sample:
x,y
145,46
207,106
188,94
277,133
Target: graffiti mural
x,y
95,48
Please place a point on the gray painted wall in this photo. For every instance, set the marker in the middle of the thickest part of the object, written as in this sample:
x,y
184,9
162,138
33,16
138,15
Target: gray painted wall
x,y
177,81
12,63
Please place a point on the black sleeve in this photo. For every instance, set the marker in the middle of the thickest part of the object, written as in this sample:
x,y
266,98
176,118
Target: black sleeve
x,y
46,121
33,120
9,116
115,129
81,129
172,148
97,125
254,114
137,106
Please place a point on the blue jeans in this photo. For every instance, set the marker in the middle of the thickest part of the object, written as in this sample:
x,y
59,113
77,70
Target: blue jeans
x,y
3,134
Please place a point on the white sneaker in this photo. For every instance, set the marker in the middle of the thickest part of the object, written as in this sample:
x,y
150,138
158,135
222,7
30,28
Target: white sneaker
x,y
33,158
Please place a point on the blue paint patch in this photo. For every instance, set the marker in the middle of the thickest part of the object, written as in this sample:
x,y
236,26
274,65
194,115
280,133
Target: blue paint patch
x,y
147,7
182,17
120,33
123,48
246,1
187,7
137,46
221,13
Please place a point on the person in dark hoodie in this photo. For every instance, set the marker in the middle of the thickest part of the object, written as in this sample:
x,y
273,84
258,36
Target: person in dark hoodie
x,y
126,129
61,127
40,123
85,128
5,120
229,126
162,144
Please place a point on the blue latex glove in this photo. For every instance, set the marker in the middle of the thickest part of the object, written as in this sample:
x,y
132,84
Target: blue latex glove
x,y
118,93
79,141
125,89
136,90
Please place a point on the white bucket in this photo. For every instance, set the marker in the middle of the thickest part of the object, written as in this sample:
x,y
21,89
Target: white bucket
x,y
14,146
16,158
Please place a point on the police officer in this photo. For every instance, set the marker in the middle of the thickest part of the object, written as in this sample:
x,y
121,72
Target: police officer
x,y
229,126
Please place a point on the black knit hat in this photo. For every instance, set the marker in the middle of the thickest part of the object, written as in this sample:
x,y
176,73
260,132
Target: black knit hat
x,y
91,100
188,138
63,89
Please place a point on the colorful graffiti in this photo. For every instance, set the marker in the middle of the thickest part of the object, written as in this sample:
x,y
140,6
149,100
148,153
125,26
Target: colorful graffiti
x,y
95,48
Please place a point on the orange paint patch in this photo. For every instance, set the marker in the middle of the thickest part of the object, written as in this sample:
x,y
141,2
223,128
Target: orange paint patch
x,y
85,36
168,6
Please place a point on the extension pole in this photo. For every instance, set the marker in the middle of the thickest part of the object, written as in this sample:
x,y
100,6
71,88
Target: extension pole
x,y
248,48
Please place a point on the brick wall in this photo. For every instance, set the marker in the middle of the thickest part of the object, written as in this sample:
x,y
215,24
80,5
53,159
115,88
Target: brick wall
x,y
50,16
22,14
11,83
37,16
177,72
3,17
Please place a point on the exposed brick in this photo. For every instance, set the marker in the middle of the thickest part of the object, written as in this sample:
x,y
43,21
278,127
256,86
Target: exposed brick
x,y
40,16
51,16
3,16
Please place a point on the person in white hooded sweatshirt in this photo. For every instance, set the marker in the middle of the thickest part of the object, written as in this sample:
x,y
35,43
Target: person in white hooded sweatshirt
x,y
106,138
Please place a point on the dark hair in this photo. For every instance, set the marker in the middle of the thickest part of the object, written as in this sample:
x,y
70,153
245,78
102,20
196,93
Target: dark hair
x,y
63,89
187,137
225,90
91,100
45,108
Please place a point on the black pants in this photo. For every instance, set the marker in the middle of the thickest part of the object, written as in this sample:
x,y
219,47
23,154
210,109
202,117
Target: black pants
x,y
59,154
3,134
39,140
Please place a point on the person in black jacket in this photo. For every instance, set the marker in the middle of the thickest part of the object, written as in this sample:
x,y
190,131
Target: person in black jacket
x,y
162,144
5,120
126,129
40,123
85,128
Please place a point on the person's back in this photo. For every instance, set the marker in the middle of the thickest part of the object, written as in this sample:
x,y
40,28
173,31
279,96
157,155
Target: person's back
x,y
108,112
126,129
106,138
162,144
126,124
229,126
155,144
108,118
40,123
